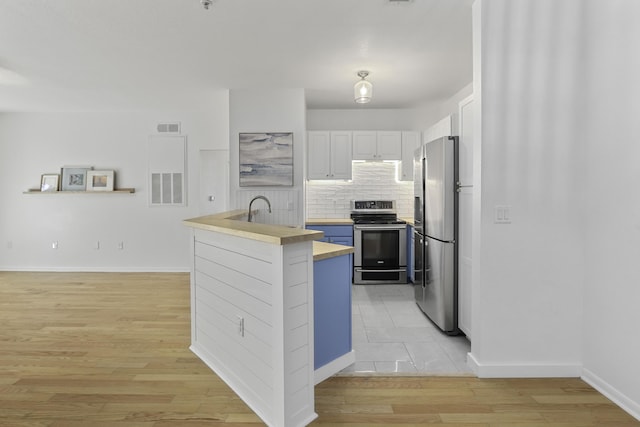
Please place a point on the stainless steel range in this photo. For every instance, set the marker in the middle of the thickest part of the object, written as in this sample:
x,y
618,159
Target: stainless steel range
x,y
380,241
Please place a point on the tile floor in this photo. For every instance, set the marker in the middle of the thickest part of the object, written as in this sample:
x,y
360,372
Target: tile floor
x,y
392,335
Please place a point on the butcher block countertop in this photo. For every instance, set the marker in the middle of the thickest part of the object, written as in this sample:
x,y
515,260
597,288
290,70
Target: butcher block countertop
x,y
324,250
234,224
329,221
410,221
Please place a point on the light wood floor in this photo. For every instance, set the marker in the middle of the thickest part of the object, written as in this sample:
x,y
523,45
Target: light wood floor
x,y
95,349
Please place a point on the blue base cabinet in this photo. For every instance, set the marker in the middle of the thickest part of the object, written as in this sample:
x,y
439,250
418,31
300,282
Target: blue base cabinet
x,y
338,234
331,309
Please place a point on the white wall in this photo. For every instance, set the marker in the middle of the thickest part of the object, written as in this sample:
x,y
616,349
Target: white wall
x,y
556,291
427,114
529,275
361,119
611,347
269,110
154,238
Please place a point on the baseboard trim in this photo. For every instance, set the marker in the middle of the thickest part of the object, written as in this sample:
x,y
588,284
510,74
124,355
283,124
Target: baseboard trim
x,y
333,367
97,269
613,394
494,370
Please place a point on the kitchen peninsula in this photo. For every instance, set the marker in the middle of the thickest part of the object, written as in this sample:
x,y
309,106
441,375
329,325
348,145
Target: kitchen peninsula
x,y
252,311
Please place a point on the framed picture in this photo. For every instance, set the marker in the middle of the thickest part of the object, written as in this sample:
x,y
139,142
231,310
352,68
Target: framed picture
x,y
74,178
49,182
266,159
100,180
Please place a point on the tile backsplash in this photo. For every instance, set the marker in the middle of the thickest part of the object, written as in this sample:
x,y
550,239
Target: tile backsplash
x,y
371,181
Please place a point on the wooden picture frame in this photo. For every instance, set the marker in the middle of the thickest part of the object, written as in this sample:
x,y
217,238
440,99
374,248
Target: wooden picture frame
x,y
49,182
100,180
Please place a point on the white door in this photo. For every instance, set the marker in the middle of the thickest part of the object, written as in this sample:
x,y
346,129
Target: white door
x,y
214,181
465,208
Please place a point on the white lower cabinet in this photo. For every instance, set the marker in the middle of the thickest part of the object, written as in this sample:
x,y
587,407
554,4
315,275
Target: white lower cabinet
x,y
329,155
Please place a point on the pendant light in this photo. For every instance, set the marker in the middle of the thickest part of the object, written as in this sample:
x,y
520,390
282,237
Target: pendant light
x,y
362,90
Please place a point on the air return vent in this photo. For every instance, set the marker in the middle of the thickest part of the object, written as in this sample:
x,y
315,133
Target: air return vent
x,y
173,127
167,167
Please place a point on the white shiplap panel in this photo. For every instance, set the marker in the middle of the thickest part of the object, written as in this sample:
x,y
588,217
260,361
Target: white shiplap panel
x,y
297,359
297,316
240,280
209,305
298,337
298,294
298,323
241,300
256,364
271,366
285,205
237,245
253,267
244,367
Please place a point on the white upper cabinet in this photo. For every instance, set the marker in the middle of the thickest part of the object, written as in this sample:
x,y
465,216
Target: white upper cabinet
x,y
341,155
410,141
390,145
329,155
365,145
372,145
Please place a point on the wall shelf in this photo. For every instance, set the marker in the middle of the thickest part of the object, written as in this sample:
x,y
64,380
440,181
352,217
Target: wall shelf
x,y
120,191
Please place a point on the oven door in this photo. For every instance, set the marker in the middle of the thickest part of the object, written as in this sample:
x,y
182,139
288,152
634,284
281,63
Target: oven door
x,y
380,253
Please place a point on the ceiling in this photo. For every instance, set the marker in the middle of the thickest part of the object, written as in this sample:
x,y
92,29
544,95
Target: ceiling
x,y
138,54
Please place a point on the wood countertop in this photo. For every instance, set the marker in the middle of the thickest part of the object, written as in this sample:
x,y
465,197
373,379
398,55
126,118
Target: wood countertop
x,y
410,221
329,221
232,223
324,250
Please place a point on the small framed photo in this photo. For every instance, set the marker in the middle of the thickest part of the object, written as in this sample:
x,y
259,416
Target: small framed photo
x,y
49,182
74,178
100,180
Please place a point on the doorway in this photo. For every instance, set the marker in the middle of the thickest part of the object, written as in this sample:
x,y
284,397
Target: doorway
x,y
214,181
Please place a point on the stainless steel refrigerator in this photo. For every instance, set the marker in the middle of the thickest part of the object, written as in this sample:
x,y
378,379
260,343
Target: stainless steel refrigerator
x,y
436,231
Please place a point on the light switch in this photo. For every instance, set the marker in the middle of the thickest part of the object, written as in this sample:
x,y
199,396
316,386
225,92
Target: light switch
x,y
502,214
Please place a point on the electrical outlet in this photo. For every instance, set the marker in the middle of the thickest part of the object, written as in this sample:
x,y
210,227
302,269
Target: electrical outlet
x,y
97,245
120,245
54,245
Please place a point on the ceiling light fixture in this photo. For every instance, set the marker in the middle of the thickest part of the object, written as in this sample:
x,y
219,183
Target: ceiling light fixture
x,y
362,90
206,3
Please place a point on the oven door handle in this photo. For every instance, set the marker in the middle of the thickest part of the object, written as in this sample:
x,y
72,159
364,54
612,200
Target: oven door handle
x,y
397,270
378,228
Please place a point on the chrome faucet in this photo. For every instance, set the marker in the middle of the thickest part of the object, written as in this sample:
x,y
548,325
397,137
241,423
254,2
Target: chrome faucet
x,y
253,200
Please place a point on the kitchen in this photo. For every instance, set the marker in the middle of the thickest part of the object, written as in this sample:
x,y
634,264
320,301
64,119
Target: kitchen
x,y
531,161
390,333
